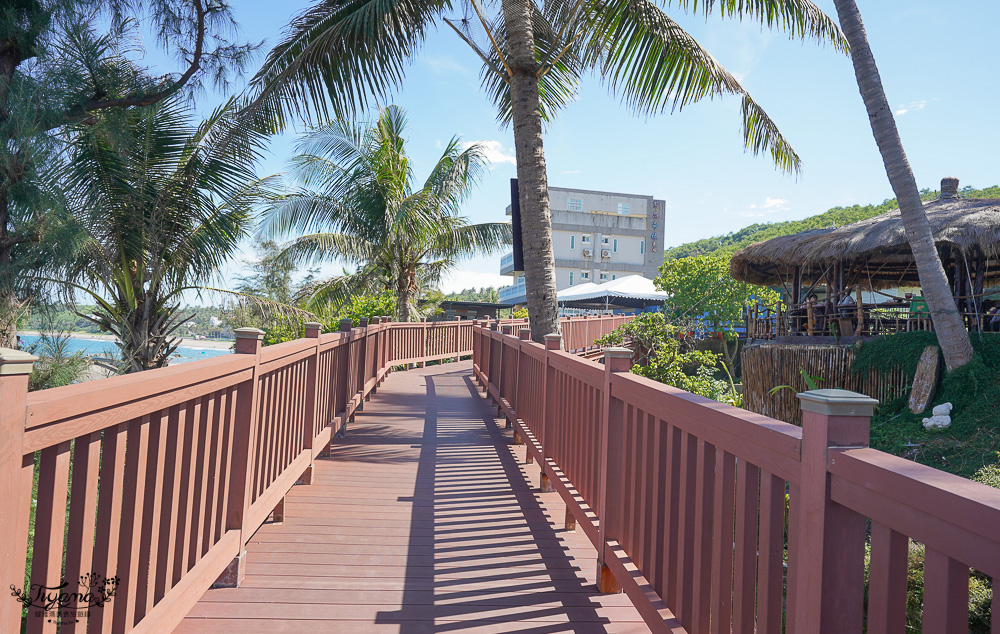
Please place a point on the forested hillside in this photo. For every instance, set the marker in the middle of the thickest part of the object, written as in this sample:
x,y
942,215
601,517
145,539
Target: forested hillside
x,y
838,216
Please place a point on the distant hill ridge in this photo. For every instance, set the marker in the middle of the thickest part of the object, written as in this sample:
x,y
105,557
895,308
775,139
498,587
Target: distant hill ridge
x,y
838,216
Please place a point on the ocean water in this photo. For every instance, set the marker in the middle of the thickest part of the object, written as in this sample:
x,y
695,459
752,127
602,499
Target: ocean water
x,y
98,347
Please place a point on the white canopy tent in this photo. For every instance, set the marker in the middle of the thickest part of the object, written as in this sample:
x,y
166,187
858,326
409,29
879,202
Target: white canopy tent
x,y
632,291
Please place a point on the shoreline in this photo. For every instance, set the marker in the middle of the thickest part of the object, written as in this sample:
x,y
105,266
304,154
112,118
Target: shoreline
x,y
186,342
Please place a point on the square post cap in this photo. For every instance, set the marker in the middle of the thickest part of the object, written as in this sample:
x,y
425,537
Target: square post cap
x,y
524,333
553,341
617,353
837,403
346,324
249,333
15,362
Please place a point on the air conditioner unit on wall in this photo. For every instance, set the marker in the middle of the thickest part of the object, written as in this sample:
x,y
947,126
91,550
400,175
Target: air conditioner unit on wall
x,y
605,253
587,253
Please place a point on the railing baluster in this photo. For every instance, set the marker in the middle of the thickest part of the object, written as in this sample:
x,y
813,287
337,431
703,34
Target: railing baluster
x,y
946,593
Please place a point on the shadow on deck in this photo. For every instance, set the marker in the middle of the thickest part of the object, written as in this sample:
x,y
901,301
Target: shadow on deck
x,y
422,520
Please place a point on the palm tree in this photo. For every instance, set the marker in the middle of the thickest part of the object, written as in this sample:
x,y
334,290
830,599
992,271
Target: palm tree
x,y
344,54
951,333
357,202
161,206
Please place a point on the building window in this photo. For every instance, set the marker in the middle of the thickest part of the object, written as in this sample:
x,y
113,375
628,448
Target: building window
x,y
604,277
614,277
642,247
574,204
623,209
571,278
572,242
584,275
585,239
605,240
615,248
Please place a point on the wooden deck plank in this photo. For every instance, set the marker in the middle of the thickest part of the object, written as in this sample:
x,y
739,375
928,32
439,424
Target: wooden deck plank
x,y
422,519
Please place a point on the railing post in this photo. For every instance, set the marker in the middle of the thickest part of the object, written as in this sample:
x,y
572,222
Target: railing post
x,y
363,363
827,540
346,326
523,334
503,380
553,342
458,338
423,342
248,341
313,330
376,351
475,350
16,475
612,463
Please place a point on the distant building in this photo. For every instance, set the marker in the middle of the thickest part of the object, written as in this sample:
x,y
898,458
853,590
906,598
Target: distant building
x,y
596,237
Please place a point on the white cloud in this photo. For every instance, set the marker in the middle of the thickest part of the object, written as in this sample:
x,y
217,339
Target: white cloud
x,y
494,152
570,172
770,205
444,65
912,106
459,280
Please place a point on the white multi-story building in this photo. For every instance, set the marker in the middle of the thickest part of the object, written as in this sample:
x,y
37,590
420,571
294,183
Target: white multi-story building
x,y
596,237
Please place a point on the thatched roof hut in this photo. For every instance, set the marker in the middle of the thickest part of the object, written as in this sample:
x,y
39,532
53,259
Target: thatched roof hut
x,y
874,253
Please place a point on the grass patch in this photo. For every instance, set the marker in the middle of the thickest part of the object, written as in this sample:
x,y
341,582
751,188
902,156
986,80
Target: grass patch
x,y
973,440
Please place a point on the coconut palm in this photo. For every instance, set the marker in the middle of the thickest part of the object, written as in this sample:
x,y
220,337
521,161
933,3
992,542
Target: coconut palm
x,y
357,202
951,332
161,205
345,54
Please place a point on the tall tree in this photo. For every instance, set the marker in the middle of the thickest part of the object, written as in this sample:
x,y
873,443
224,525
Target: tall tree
x,y
162,204
358,203
533,53
951,332
63,62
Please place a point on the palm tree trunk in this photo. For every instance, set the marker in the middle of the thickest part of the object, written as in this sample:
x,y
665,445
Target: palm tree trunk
x,y
536,221
951,333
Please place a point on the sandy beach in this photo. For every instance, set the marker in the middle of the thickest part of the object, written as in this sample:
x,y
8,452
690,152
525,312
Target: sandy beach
x,y
213,344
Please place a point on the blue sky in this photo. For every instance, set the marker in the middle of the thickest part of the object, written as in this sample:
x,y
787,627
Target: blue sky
x,y
938,66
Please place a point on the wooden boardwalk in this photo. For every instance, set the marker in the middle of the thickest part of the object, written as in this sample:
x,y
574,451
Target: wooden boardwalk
x,y
422,520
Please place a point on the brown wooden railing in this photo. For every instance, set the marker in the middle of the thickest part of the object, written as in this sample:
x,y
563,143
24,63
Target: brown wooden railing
x,y
715,519
160,478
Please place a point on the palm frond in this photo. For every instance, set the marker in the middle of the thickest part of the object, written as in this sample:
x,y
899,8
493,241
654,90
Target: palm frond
x,y
801,19
340,56
655,65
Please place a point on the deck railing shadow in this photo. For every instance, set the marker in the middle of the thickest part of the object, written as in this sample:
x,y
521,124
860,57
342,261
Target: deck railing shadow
x,y
156,481
723,520
468,513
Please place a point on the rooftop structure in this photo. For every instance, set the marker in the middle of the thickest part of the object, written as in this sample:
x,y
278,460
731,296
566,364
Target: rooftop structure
x,y
871,260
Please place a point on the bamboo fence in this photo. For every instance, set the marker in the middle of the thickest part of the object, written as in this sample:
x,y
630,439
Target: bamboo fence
x,y
768,365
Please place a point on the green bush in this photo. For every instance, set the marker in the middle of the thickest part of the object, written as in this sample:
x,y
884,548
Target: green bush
x,y
664,353
56,366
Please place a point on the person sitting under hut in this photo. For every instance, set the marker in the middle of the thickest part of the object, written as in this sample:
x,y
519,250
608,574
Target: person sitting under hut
x,y
993,318
847,306
818,311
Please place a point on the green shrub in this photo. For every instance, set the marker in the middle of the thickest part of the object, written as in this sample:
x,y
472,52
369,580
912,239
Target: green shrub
x,y
56,366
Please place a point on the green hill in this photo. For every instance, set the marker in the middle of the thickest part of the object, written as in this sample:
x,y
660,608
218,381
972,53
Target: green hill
x,y
732,242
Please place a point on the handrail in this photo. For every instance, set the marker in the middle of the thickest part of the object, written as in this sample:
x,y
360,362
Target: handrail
x,y
712,518
174,469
